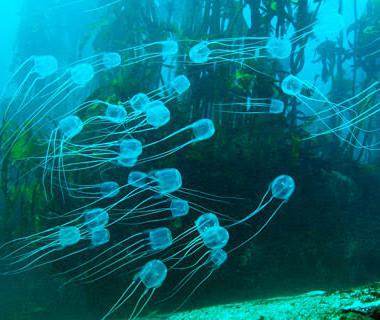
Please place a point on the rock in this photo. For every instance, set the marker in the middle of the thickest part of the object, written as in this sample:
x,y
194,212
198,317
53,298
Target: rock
x,y
359,304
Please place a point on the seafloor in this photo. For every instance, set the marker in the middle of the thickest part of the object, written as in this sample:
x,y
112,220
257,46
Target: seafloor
x,y
358,303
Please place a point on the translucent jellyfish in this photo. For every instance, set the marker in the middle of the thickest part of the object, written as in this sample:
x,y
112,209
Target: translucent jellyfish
x,y
140,102
95,218
162,183
122,254
109,189
279,48
38,68
150,277
70,126
218,257
346,119
82,74
99,236
116,113
209,235
179,207
160,238
240,50
254,106
200,130
67,129
280,189
157,114
154,51
49,98
169,47
180,84
75,77
45,66
137,179
168,91
33,70
215,237
292,85
25,257
276,106
106,189
205,222
68,236
200,52
95,154
130,150
203,129
163,210
111,60
205,251
208,263
65,155
166,180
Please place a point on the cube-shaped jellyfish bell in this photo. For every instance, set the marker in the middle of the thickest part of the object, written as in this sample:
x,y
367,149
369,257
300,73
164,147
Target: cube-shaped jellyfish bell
x,y
203,129
160,238
167,180
205,222
179,208
180,84
68,236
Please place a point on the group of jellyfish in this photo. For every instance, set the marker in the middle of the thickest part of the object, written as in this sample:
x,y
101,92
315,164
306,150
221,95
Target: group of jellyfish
x,y
120,137
348,120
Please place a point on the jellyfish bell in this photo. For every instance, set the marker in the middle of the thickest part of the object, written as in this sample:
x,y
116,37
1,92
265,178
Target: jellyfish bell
x,y
116,113
95,218
152,274
45,66
82,73
126,161
68,236
200,52
109,189
99,236
160,238
70,126
218,257
137,179
169,47
282,187
111,60
179,208
180,84
279,48
130,148
203,129
215,237
167,180
157,114
291,85
276,106
205,222
139,102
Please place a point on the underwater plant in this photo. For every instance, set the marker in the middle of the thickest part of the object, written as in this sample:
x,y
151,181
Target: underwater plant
x,y
215,97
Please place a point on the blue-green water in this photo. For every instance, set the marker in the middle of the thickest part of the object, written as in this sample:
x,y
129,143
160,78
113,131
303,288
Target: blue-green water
x,y
206,102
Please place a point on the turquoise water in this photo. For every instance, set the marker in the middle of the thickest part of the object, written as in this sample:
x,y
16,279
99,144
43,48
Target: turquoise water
x,y
61,138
